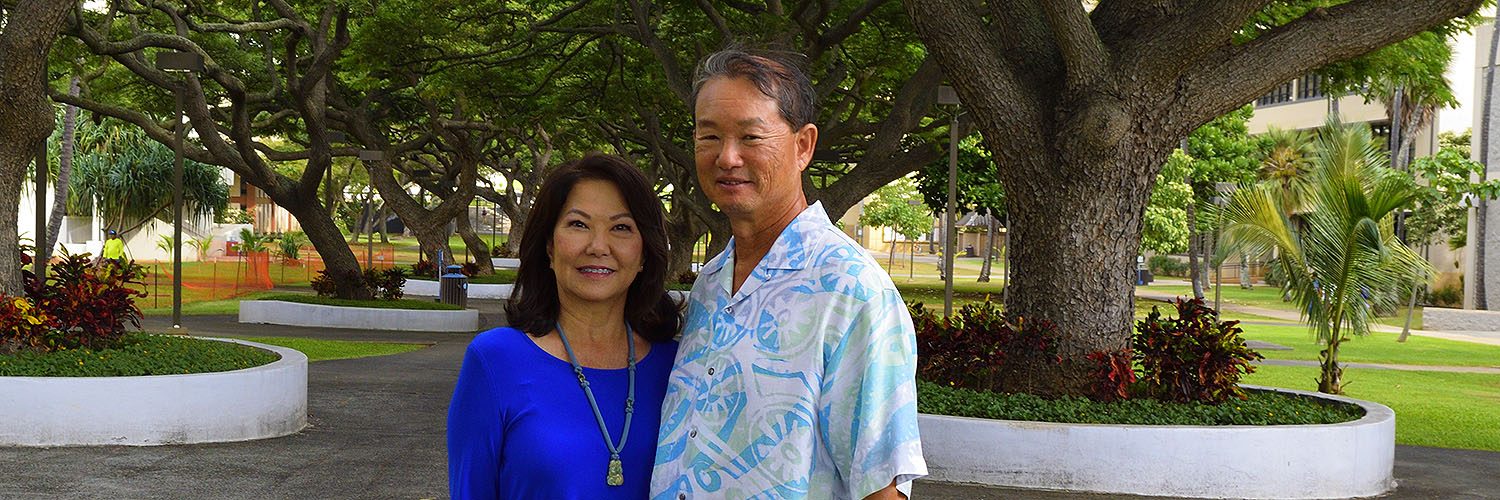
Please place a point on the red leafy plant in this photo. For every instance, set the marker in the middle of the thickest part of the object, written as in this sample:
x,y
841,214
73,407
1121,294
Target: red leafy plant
x,y
1193,357
88,302
978,348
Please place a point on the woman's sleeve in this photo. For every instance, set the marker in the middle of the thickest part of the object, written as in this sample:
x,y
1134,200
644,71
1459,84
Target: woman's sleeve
x,y
475,433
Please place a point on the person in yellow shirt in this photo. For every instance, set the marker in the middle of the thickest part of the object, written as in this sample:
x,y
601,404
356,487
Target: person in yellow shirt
x,y
114,248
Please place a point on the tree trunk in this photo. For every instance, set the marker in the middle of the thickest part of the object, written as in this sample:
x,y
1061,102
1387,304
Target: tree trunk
x,y
989,247
1245,272
1195,243
26,116
64,171
342,266
477,245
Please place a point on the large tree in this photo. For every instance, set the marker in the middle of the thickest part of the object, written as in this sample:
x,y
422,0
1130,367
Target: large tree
x,y
27,30
1083,108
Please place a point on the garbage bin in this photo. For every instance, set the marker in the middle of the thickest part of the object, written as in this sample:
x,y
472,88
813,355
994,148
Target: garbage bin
x,y
969,251
453,287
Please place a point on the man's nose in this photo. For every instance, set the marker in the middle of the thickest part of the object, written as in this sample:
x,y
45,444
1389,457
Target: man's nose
x,y
731,155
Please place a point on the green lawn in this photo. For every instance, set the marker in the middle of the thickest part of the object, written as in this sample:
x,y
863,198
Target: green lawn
x,y
320,350
1376,348
1448,410
201,308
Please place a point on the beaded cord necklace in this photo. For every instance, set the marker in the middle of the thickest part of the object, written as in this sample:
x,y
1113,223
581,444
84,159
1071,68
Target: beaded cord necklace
x,y
616,473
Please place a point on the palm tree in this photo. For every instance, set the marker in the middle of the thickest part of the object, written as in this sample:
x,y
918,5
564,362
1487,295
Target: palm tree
x,y
1286,164
1346,253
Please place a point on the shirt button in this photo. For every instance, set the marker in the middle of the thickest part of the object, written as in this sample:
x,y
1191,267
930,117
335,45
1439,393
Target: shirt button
x,y
693,433
729,309
710,371
682,496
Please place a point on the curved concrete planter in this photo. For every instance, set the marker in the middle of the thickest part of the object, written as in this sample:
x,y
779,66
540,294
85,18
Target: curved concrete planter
x,y
1446,319
254,403
429,288
1352,459
277,312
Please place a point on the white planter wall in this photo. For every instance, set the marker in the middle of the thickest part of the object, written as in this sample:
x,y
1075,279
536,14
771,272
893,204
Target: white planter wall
x,y
429,288
1445,319
254,403
1352,459
275,312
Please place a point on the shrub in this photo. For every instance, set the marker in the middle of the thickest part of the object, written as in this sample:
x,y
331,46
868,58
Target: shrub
x,y
470,269
1275,276
290,245
1162,265
1260,408
686,278
424,267
388,283
1114,375
23,326
1194,357
328,286
501,252
89,302
979,348
1448,296
138,353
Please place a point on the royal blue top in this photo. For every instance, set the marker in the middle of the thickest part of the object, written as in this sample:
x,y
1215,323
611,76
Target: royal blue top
x,y
520,427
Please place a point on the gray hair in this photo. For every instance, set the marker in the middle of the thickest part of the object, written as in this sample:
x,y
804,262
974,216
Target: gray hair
x,y
782,81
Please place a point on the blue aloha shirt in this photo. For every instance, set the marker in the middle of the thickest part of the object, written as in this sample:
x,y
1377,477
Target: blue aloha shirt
x,y
800,386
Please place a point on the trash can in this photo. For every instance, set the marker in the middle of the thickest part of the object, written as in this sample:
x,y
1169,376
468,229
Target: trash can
x,y
453,287
969,251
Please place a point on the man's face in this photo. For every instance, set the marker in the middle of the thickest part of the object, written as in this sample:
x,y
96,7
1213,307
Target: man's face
x,y
749,159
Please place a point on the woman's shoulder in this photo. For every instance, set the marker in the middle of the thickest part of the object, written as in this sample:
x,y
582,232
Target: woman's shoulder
x,y
497,340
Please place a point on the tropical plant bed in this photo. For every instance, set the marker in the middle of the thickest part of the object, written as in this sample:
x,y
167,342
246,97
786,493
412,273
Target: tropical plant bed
x,y
1266,461
371,304
168,407
1260,408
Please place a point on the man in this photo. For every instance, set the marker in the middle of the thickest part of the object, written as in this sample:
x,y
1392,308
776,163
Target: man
x,y
114,248
795,376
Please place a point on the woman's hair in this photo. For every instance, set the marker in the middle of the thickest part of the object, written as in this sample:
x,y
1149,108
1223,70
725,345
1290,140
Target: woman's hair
x,y
533,306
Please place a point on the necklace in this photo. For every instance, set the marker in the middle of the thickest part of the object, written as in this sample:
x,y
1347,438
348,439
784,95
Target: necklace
x,y
616,474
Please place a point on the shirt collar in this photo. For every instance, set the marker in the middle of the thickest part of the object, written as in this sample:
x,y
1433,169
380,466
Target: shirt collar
x,y
788,252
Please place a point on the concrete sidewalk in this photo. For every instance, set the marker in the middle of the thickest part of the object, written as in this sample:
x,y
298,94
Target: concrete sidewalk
x,y
378,431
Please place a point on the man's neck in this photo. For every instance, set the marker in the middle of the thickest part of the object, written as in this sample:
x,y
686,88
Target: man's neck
x,y
754,237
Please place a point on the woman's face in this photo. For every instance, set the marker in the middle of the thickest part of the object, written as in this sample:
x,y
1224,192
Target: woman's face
x,y
596,245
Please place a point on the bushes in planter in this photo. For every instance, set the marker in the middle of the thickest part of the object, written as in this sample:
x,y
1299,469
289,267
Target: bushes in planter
x,y
386,284
83,304
1192,357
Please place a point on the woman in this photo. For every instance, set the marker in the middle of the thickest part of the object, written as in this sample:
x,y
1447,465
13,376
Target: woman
x,y
565,402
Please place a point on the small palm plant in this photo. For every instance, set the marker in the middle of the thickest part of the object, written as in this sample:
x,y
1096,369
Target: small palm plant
x,y
291,245
165,243
202,245
1345,257
251,242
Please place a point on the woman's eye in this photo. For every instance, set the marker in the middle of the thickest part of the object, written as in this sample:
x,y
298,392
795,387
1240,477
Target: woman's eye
x,y
577,223
624,227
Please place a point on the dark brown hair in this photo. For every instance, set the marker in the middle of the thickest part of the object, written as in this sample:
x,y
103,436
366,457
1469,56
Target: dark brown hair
x,y
777,79
534,307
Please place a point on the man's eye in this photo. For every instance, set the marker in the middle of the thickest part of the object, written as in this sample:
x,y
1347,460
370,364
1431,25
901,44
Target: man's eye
x,y
708,137
751,138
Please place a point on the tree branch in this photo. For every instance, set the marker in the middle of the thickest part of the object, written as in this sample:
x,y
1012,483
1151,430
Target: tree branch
x,y
1082,51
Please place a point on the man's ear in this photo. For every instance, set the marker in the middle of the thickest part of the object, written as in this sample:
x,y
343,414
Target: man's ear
x,y
806,141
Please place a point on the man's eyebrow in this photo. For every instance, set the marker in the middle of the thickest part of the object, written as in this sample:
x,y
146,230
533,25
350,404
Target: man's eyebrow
x,y
754,120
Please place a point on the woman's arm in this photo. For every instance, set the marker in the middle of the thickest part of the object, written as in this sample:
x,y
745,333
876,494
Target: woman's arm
x,y
475,435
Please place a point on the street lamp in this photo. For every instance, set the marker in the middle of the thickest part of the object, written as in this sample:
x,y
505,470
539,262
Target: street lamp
x,y
947,96
1224,189
911,249
370,155
188,63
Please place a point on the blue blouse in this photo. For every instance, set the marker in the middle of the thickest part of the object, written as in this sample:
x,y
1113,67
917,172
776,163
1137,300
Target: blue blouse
x,y
520,427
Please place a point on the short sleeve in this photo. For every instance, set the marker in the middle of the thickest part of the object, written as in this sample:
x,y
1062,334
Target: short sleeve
x,y
475,432
868,402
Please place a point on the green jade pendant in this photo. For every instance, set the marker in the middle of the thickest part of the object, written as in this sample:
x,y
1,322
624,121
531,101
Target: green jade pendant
x,y
616,475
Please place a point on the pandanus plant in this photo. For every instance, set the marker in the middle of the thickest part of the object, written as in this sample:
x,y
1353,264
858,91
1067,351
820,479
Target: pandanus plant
x,y
1345,259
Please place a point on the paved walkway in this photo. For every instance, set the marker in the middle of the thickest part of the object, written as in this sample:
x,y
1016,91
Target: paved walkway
x,y
377,431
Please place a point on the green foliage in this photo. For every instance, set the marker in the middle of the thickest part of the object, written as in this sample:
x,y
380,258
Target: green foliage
x,y
371,304
386,283
424,268
165,243
1162,265
127,177
234,216
251,242
1447,296
23,326
321,350
88,303
1261,408
889,208
290,244
1193,357
971,348
978,179
1223,151
1346,261
1442,202
1286,166
202,246
1165,227
137,354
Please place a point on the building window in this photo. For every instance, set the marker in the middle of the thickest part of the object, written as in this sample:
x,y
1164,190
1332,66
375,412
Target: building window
x,y
1309,87
1282,93
1381,131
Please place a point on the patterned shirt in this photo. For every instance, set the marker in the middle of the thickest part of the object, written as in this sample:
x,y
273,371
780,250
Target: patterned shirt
x,y
802,385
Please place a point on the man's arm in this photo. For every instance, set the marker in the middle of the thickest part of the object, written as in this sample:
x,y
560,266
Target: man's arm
x,y
887,493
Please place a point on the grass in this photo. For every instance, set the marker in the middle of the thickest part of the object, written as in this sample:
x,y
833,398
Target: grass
x,y
1376,348
373,304
1260,409
322,350
139,354
206,307
1447,410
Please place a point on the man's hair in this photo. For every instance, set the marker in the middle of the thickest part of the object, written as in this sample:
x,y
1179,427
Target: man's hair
x,y
777,79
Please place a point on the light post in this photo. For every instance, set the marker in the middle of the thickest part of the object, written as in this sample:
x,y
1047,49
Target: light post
x,y
1221,201
371,155
947,96
189,63
911,249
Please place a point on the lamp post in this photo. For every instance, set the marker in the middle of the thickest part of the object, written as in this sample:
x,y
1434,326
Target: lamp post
x,y
371,155
911,249
189,63
947,96
1224,189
